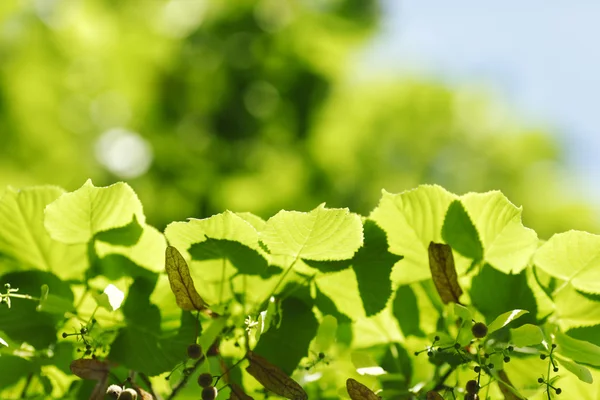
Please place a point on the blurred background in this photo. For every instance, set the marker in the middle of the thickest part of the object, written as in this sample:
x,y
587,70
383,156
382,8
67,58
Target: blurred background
x,y
259,105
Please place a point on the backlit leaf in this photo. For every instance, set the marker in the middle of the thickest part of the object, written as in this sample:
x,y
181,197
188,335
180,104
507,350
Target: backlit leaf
x,y
181,281
526,335
77,216
573,256
579,371
506,387
321,234
460,233
358,391
578,350
443,272
273,378
505,319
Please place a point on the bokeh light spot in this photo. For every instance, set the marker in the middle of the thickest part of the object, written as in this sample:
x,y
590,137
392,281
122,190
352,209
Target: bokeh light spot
x,y
124,153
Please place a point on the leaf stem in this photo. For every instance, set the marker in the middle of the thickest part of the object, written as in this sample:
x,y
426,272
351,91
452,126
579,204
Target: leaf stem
x,y
186,378
287,271
27,383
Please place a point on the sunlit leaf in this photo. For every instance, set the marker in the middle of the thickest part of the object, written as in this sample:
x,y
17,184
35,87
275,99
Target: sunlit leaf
x,y
506,387
406,311
412,220
3,342
321,234
77,216
24,238
573,256
459,232
326,333
526,335
181,281
578,370
273,378
507,245
443,272
358,391
504,319
578,350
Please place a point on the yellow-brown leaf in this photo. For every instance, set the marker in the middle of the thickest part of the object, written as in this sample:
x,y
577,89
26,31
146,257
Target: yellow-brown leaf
x,y
273,378
181,281
358,391
89,368
443,272
433,395
237,393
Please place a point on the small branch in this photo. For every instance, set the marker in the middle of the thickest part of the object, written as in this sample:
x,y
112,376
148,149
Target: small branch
x,y
440,383
186,378
27,383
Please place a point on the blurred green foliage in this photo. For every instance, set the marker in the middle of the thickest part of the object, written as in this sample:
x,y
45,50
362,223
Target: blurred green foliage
x,y
250,105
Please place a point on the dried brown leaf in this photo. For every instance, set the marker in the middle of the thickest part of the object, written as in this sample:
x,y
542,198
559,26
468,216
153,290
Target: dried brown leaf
x,y
181,281
433,395
443,272
89,368
358,391
237,393
273,378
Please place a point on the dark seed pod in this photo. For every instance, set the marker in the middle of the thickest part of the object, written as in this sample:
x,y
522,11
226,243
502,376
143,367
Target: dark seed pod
x,y
205,380
194,351
209,393
479,330
472,387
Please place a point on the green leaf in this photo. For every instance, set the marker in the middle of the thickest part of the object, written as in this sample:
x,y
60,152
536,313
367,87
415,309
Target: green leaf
x,y
412,220
329,266
127,235
579,371
76,217
577,350
328,307
493,292
573,256
288,344
587,333
53,304
227,226
148,252
342,288
326,334
576,309
460,233
406,310
3,342
526,335
23,323
462,312
321,234
13,369
24,239
246,259
372,265
504,319
508,245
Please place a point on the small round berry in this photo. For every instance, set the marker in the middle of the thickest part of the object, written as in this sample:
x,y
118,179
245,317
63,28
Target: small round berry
x,y
436,339
477,369
128,394
209,393
321,356
64,335
490,366
114,391
486,355
506,359
430,353
510,348
205,380
553,345
555,369
457,346
542,356
416,353
479,330
558,390
194,351
472,386
540,380
440,349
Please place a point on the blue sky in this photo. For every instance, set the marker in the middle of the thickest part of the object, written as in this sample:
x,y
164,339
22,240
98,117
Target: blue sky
x,y
541,57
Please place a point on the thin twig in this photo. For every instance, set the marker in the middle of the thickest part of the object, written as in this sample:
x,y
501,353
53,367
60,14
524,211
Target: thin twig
x,y
440,383
27,383
186,377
